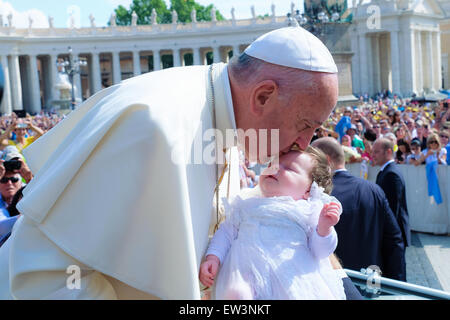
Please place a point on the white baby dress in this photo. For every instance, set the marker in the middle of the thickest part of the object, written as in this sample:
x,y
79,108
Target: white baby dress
x,y
272,245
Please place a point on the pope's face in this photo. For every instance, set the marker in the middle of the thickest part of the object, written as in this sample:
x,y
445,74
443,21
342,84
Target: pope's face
x,y
292,117
305,113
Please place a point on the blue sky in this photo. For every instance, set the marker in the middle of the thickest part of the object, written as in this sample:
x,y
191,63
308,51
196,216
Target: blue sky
x,y
101,9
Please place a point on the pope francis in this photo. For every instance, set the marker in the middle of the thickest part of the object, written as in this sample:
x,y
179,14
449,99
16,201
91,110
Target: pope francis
x,y
108,198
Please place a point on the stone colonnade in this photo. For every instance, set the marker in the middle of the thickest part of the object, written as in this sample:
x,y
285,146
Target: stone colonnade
x,y
403,62
30,79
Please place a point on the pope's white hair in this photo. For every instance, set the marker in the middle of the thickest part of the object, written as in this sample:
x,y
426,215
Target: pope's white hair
x,y
249,71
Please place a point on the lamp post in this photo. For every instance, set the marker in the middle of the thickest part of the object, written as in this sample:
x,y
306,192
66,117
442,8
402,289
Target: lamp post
x,y
72,67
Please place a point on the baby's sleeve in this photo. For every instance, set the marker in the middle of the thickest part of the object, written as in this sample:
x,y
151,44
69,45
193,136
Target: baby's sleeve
x,y
323,247
227,232
221,241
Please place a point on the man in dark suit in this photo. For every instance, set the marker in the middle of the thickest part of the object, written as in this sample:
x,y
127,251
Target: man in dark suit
x,y
391,181
368,233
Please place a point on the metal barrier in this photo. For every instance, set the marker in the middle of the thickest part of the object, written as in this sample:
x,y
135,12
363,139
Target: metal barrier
x,y
374,287
424,215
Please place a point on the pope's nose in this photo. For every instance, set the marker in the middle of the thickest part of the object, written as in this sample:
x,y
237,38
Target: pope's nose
x,y
302,142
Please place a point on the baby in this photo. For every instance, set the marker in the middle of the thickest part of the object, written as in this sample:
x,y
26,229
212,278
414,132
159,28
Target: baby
x,y
275,244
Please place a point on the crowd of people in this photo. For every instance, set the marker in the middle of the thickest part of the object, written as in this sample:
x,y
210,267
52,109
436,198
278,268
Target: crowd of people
x,y
419,131
17,133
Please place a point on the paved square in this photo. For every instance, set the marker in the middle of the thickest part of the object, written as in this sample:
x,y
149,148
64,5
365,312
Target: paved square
x,y
427,261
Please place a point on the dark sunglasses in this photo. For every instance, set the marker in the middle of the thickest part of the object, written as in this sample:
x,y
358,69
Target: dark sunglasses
x,y
433,142
443,136
12,179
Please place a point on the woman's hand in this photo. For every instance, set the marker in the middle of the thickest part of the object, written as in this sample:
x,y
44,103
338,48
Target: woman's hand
x,y
25,171
2,169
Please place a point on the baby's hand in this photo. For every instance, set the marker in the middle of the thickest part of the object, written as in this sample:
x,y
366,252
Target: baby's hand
x,y
208,270
329,216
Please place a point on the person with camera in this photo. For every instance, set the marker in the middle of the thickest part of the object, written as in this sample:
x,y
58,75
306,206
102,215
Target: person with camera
x,y
20,128
14,175
14,172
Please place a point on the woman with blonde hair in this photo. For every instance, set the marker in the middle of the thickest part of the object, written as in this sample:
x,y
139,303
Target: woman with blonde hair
x,y
434,150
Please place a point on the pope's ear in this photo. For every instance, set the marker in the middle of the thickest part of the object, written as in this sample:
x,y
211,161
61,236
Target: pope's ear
x,y
264,95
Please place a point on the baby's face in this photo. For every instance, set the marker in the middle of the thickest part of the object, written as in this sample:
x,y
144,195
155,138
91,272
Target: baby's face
x,y
292,179
345,141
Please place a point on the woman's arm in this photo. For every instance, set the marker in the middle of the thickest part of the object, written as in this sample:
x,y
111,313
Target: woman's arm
x,y
38,131
443,158
4,137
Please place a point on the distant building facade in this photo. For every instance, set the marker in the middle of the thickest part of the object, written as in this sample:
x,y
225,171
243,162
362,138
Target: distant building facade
x,y
402,53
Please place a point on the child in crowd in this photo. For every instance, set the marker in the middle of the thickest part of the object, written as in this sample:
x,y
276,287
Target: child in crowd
x,y
350,153
276,239
416,153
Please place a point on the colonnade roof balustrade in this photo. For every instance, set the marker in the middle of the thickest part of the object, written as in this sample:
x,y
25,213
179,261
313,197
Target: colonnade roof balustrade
x,y
202,27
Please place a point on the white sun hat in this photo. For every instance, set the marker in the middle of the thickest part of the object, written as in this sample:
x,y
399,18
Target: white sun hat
x,y
293,47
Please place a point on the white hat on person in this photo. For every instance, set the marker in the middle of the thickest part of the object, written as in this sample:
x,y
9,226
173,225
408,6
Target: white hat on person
x,y
293,47
11,152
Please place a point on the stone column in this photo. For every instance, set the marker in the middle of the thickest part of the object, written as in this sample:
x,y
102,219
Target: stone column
x,y
53,74
364,63
156,60
176,57
411,61
6,105
376,66
33,75
216,55
117,74
136,63
356,73
77,83
96,73
370,66
420,80
395,62
16,83
430,61
196,56
438,57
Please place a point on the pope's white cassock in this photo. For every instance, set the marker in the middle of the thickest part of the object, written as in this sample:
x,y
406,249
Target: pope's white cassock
x,y
111,196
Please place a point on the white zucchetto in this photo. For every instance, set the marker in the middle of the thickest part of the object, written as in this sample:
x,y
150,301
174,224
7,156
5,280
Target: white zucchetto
x,y
293,47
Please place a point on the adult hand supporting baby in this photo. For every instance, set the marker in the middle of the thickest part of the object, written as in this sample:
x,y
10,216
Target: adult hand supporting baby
x,y
329,217
208,270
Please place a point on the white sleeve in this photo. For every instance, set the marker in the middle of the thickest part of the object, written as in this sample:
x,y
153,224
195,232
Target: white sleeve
x,y
442,153
221,241
322,247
